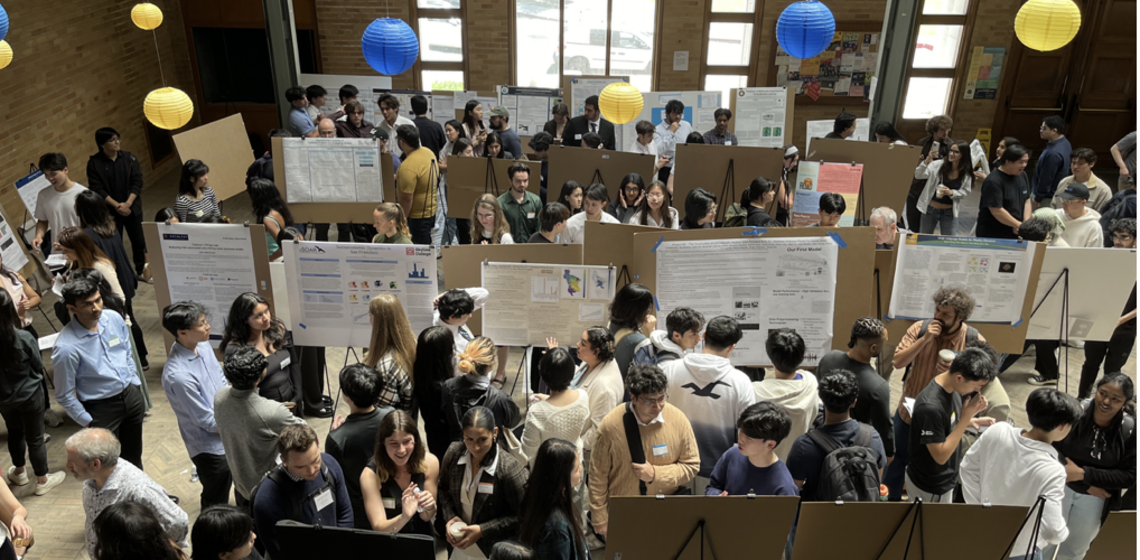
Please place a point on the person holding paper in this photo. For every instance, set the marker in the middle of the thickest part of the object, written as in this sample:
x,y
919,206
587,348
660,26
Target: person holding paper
x,y
948,182
590,121
671,131
1006,200
720,136
1081,166
55,207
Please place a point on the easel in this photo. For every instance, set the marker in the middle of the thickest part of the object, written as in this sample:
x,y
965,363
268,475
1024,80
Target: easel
x,y
623,273
597,178
727,191
1063,335
916,520
1039,508
491,181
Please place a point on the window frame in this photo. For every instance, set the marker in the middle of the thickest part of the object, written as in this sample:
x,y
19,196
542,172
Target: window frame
x,y
749,70
956,74
415,13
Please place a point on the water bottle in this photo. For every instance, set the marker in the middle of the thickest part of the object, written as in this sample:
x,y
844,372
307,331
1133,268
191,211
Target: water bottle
x,y
194,474
883,492
417,492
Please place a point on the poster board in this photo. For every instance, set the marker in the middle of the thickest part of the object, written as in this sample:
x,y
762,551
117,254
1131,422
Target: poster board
x,y
333,82
761,116
224,146
468,178
12,252
855,266
1092,313
1116,539
699,109
1004,338
441,106
331,285
595,166
154,233
817,130
29,188
814,179
463,264
530,107
701,165
888,170
578,88
612,244
842,71
332,212
528,303
985,72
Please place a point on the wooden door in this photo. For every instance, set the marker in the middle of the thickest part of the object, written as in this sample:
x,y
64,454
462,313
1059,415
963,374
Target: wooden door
x,y
1102,107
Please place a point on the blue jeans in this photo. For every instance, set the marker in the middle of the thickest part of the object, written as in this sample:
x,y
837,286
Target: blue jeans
x,y
421,230
895,474
1082,516
944,218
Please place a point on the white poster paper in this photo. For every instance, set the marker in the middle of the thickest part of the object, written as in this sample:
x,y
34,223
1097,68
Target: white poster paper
x,y
527,303
331,284
332,170
442,107
680,61
530,107
581,88
29,188
775,283
819,129
699,109
761,115
994,271
365,84
11,251
1093,313
211,264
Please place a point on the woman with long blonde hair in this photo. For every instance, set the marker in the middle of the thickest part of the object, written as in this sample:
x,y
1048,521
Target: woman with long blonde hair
x,y
488,224
391,224
392,351
476,362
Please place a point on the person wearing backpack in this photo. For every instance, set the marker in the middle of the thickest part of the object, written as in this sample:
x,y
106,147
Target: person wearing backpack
x,y
868,335
942,412
632,313
682,334
1121,205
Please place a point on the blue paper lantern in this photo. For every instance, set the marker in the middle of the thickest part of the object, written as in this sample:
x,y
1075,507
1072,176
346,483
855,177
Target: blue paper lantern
x,y
390,46
3,23
805,29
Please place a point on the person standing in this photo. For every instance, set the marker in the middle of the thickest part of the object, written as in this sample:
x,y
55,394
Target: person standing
x,y
416,182
948,183
431,133
1052,162
720,136
520,206
1081,166
353,439
671,131
115,174
885,222
1006,200
300,123
590,121
354,125
1080,224
501,124
560,117
873,407
393,120
1124,154
937,139
55,207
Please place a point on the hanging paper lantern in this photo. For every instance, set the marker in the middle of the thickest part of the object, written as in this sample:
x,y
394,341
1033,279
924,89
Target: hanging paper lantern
x,y
5,54
3,23
805,29
620,102
390,46
1047,25
146,16
168,108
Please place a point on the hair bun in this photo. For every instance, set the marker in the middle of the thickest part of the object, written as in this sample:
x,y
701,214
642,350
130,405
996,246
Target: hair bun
x,y
466,365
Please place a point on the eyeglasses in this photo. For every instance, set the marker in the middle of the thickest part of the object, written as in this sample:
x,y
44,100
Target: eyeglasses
x,y
659,401
1122,238
655,196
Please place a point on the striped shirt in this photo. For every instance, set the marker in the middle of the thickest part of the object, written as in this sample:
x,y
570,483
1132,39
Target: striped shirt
x,y
189,210
925,364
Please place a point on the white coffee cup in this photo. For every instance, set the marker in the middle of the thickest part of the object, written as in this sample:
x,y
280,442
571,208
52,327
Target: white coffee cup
x,y
457,529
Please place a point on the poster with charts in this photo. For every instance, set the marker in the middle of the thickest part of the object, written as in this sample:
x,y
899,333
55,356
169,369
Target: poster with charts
x,y
760,117
769,284
527,303
530,107
332,170
994,271
332,284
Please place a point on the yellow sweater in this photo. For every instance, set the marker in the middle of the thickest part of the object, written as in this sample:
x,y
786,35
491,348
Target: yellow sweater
x,y
611,473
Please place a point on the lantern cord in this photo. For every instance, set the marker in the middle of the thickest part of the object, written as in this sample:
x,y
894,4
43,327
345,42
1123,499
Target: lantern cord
x,y
159,55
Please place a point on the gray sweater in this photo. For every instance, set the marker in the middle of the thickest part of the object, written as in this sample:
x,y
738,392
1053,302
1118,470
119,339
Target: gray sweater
x,y
249,425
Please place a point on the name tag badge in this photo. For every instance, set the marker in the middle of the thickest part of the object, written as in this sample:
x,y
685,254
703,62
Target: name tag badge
x,y
389,503
323,499
530,215
199,213
728,142
577,136
659,450
285,363
486,488
114,342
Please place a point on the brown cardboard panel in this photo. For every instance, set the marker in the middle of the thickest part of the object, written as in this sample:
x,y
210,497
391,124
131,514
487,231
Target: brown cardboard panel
x,y
595,166
224,146
463,268
1116,539
888,169
334,212
704,166
470,178
612,244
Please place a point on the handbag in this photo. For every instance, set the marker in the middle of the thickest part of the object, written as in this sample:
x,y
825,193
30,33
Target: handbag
x,y
511,444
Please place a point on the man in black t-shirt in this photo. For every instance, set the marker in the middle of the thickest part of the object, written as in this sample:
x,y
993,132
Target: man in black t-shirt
x,y
1005,201
939,420
868,335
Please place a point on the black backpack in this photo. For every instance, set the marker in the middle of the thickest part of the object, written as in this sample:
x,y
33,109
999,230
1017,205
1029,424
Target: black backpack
x,y
848,474
1121,205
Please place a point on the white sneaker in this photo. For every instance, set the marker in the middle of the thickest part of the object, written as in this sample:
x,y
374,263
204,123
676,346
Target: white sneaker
x,y
53,480
17,480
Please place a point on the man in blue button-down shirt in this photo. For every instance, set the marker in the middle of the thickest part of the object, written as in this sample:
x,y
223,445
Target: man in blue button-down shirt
x,y
191,378
95,377
671,131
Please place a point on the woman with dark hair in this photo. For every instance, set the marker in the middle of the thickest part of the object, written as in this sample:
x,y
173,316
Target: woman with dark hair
x,y
271,211
401,481
561,414
656,208
223,532
629,199
166,215
130,530
476,466
435,349
631,312
785,194
571,196
885,133
548,519
700,209
510,550
22,296
560,115
452,131
1002,144
938,140
250,323
594,203
196,200
1100,463
473,128
948,182
599,377
494,148
758,195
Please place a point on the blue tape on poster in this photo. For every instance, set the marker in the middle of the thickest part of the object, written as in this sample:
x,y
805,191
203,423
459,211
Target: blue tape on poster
x,y
754,231
838,240
302,325
1019,320
656,304
658,244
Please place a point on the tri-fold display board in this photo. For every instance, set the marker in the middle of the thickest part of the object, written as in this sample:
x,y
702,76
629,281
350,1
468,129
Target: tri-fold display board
x,y
1092,313
724,171
595,166
888,169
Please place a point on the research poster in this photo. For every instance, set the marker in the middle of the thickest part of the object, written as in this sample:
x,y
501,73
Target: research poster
x,y
11,253
29,188
211,264
814,179
332,170
760,116
331,285
768,284
994,271
527,302
530,107
820,129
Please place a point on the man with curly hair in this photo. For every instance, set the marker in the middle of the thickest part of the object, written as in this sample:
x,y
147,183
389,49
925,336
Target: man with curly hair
x,y
918,353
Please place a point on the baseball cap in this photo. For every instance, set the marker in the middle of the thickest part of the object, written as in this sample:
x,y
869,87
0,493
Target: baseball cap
x,y
500,111
379,134
1075,191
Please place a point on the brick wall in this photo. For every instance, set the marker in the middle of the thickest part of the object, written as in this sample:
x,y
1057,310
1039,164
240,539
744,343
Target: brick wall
x,y
341,24
682,27
992,28
79,66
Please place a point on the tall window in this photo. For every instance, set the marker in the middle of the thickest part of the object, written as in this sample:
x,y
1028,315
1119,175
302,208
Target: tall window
x,y
730,48
443,36
584,38
936,61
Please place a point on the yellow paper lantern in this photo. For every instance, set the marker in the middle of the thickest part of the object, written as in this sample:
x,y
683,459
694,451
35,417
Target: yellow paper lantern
x,y
620,102
1047,25
5,54
146,16
168,108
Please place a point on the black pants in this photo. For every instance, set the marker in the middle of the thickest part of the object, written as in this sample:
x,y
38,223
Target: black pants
x,y
1113,353
1045,362
214,473
320,232
421,230
913,214
133,224
312,377
663,176
25,423
136,332
463,231
122,414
